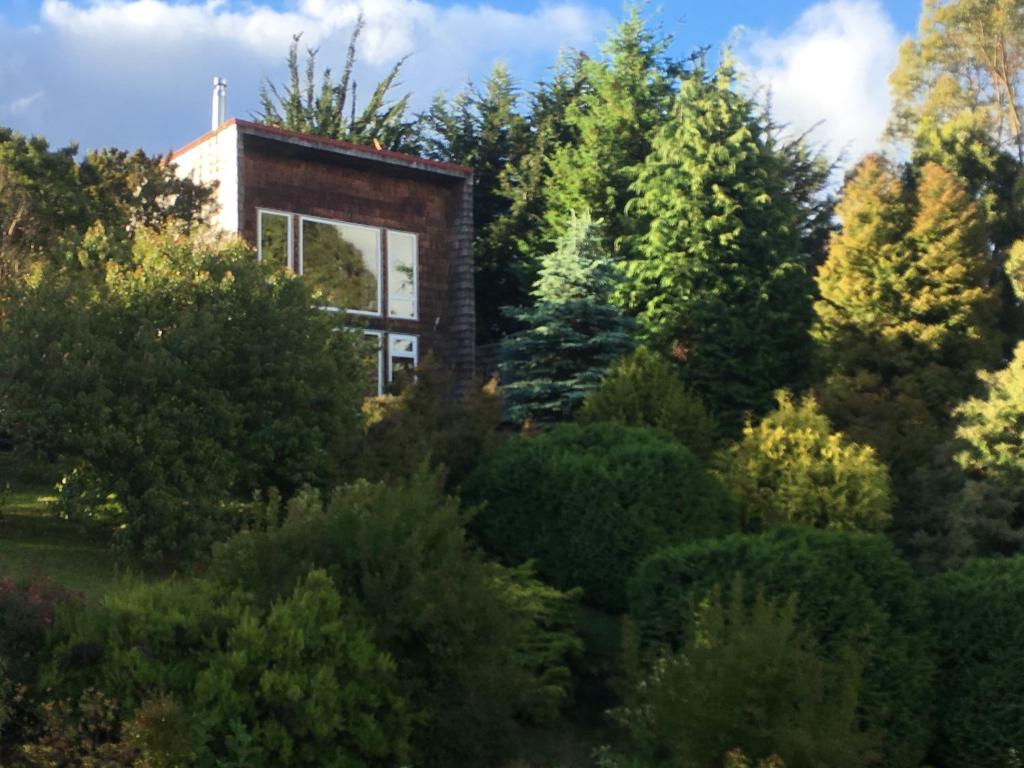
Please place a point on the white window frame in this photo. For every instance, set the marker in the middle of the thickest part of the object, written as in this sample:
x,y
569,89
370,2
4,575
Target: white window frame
x,y
391,356
380,262
380,357
415,298
290,262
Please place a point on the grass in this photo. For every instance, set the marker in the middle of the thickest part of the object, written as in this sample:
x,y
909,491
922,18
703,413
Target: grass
x,y
34,542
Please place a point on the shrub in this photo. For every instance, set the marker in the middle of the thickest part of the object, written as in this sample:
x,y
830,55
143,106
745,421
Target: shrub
x,y
304,686
479,648
27,613
298,684
425,424
177,376
751,679
792,468
852,587
978,614
645,390
142,637
84,733
588,503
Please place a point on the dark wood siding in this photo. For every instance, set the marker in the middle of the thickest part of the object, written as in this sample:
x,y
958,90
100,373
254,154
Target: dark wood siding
x,y
308,181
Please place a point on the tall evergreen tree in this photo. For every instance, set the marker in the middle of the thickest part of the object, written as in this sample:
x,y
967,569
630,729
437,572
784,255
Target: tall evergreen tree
x,y
571,335
627,93
329,108
486,131
721,276
907,312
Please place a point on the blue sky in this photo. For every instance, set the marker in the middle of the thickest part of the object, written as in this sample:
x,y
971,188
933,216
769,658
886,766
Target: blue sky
x,y
137,72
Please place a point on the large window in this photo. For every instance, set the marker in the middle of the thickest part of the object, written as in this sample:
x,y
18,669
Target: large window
x,y
402,275
342,262
275,238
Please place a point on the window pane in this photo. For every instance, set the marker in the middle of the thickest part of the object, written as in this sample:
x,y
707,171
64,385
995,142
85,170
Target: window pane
x,y
402,307
374,358
403,371
401,274
342,263
404,346
274,238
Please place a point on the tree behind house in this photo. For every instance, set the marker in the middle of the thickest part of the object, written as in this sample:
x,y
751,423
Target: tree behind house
x,y
329,108
571,335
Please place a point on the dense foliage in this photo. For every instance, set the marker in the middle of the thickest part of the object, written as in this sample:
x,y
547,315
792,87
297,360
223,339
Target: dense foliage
x,y
798,705
720,274
588,503
48,198
907,312
300,683
851,587
328,108
479,648
990,510
573,332
177,376
645,390
632,197
792,468
978,615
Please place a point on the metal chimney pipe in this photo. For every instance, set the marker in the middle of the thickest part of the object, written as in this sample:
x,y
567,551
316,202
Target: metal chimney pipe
x,y
220,97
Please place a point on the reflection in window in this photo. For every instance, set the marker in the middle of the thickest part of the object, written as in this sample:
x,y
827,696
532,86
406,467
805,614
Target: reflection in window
x,y
275,238
402,359
342,264
401,275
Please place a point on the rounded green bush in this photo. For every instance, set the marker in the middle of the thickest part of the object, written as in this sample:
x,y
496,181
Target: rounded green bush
x,y
645,390
851,587
588,503
978,614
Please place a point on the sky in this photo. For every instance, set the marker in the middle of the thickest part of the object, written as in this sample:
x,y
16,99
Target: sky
x,y
137,73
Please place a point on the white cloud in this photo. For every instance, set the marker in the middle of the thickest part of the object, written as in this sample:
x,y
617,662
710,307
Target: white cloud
x,y
23,103
137,72
830,67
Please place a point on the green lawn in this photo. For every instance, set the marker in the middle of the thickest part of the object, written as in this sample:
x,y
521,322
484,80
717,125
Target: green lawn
x,y
33,542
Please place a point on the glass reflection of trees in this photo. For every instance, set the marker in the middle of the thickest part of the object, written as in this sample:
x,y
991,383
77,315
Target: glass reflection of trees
x,y
342,262
274,231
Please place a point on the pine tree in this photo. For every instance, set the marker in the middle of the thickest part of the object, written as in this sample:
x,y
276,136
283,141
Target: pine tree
x,y
721,276
907,313
486,131
571,335
329,108
627,93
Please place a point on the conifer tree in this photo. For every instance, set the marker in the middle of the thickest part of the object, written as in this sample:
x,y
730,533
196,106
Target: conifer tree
x,y
571,335
328,108
627,93
721,276
486,131
988,516
907,312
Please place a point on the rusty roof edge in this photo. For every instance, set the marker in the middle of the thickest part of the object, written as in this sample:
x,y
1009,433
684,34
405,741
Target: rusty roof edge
x,y
333,145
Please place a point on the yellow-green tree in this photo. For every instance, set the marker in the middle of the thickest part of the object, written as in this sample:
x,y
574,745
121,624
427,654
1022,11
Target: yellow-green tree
x,y
967,66
988,516
793,468
907,313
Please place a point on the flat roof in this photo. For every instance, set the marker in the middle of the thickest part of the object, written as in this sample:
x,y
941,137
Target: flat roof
x,y
334,146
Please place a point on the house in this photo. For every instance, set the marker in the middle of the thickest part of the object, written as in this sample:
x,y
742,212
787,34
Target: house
x,y
386,238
